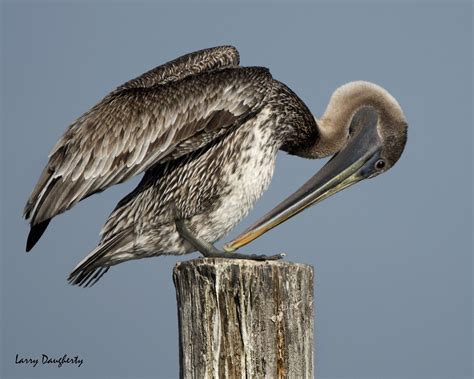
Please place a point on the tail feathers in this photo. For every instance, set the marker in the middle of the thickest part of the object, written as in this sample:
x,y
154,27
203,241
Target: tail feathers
x,y
95,265
35,234
90,277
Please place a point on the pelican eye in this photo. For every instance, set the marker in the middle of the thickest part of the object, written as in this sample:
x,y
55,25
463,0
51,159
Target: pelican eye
x,y
380,164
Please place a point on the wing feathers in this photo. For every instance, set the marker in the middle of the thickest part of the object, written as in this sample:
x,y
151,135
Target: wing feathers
x,y
35,234
142,124
190,64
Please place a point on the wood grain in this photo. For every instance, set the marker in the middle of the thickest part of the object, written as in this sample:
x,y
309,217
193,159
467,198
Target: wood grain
x,y
244,319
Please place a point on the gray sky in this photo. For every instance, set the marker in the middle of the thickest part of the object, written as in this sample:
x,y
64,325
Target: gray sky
x,y
393,255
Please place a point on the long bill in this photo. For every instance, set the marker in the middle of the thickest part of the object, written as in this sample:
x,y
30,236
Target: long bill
x,y
353,163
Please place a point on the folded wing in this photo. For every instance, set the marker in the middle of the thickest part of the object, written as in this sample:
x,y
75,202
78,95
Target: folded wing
x,y
148,120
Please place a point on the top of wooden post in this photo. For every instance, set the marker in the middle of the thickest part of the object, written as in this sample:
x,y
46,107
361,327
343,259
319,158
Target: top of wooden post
x,y
224,263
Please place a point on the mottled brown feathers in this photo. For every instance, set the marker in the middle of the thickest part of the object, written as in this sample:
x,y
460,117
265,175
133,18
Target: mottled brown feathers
x,y
205,60
166,112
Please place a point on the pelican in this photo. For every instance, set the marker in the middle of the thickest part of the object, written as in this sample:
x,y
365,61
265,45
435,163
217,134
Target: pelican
x,y
206,132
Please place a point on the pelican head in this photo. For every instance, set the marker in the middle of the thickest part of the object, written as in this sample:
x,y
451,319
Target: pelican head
x,y
366,130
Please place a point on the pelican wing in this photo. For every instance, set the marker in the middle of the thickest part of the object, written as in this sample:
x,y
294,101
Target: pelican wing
x,y
138,126
190,64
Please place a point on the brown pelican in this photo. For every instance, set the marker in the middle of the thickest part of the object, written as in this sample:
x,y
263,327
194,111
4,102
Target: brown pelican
x,y
206,132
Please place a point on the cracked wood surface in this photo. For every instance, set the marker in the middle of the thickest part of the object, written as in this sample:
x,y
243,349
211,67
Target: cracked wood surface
x,y
244,319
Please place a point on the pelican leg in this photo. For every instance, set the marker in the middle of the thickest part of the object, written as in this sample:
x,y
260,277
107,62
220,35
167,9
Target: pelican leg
x,y
208,250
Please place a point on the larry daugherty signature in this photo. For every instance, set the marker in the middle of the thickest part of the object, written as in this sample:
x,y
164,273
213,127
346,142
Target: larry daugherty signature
x,y
45,359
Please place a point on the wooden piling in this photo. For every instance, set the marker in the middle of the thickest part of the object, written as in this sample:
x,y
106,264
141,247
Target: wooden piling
x,y
244,319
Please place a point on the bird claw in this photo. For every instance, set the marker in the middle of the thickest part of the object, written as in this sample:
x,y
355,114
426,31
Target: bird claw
x,y
250,257
263,257
208,250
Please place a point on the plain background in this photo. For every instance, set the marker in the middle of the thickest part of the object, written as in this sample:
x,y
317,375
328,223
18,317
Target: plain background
x,y
393,255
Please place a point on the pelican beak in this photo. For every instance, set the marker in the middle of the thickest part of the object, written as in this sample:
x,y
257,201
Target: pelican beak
x,y
352,164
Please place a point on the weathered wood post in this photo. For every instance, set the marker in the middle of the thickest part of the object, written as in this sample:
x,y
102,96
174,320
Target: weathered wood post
x,y
244,319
